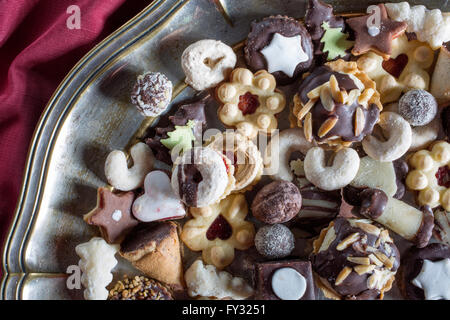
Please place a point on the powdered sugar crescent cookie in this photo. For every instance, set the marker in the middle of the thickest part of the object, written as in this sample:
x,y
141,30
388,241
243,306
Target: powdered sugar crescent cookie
x,y
97,261
431,176
408,68
244,155
206,281
219,229
250,102
206,63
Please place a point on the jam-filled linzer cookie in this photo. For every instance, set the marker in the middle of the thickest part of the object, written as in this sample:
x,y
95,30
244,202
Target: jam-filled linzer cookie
x,y
219,229
354,259
425,273
281,45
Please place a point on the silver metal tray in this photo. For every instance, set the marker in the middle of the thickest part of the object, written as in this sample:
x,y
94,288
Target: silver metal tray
x,y
89,115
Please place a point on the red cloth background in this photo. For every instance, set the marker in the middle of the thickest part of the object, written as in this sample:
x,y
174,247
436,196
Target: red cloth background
x,y
36,51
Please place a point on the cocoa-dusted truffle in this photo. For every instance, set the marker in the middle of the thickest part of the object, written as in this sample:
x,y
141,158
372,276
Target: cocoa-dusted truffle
x,y
277,202
274,241
152,93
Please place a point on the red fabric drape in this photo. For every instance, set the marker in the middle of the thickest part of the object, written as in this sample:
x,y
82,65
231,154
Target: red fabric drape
x,y
37,50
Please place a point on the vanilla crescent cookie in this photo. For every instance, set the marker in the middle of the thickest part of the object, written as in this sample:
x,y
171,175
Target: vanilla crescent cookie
x,y
343,170
408,68
206,63
123,178
219,229
431,175
279,150
250,102
206,281
399,138
97,261
244,155
202,176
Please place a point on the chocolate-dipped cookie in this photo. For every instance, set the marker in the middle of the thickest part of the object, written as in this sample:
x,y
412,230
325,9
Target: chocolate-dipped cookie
x,y
354,259
425,273
281,45
337,104
284,280
277,202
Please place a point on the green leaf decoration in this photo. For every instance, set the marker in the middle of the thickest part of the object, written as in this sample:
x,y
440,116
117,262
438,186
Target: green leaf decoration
x,y
335,42
182,135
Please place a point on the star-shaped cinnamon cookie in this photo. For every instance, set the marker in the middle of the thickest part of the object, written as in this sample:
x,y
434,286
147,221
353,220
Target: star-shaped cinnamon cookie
x,y
112,214
375,38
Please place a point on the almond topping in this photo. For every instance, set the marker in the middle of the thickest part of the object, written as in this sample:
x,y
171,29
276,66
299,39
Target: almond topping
x,y
361,269
359,260
342,96
347,241
306,108
343,275
383,258
327,126
308,127
369,228
375,260
365,96
352,96
327,99
335,91
315,93
384,235
360,121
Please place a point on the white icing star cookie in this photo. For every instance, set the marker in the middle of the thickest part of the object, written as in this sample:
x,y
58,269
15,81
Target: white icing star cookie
x,y
284,54
434,279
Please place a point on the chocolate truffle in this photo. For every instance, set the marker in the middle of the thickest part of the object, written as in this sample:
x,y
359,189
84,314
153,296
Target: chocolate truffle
x,y
418,107
152,93
277,202
281,45
354,259
274,241
425,273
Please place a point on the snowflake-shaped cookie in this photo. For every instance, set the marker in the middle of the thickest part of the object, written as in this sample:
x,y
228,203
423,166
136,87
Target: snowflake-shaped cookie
x,y
431,175
250,102
407,69
218,229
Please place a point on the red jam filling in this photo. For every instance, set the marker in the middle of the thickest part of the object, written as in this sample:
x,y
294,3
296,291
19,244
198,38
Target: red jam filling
x,y
220,228
395,66
443,176
248,103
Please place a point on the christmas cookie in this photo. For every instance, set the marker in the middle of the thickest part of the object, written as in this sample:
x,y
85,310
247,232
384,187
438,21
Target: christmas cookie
x,y
158,202
425,273
440,81
202,177
430,175
284,280
250,102
152,93
139,288
206,63
154,249
274,241
244,156
337,104
378,37
354,259
408,68
418,107
206,281
96,262
280,45
112,214
219,229
277,202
